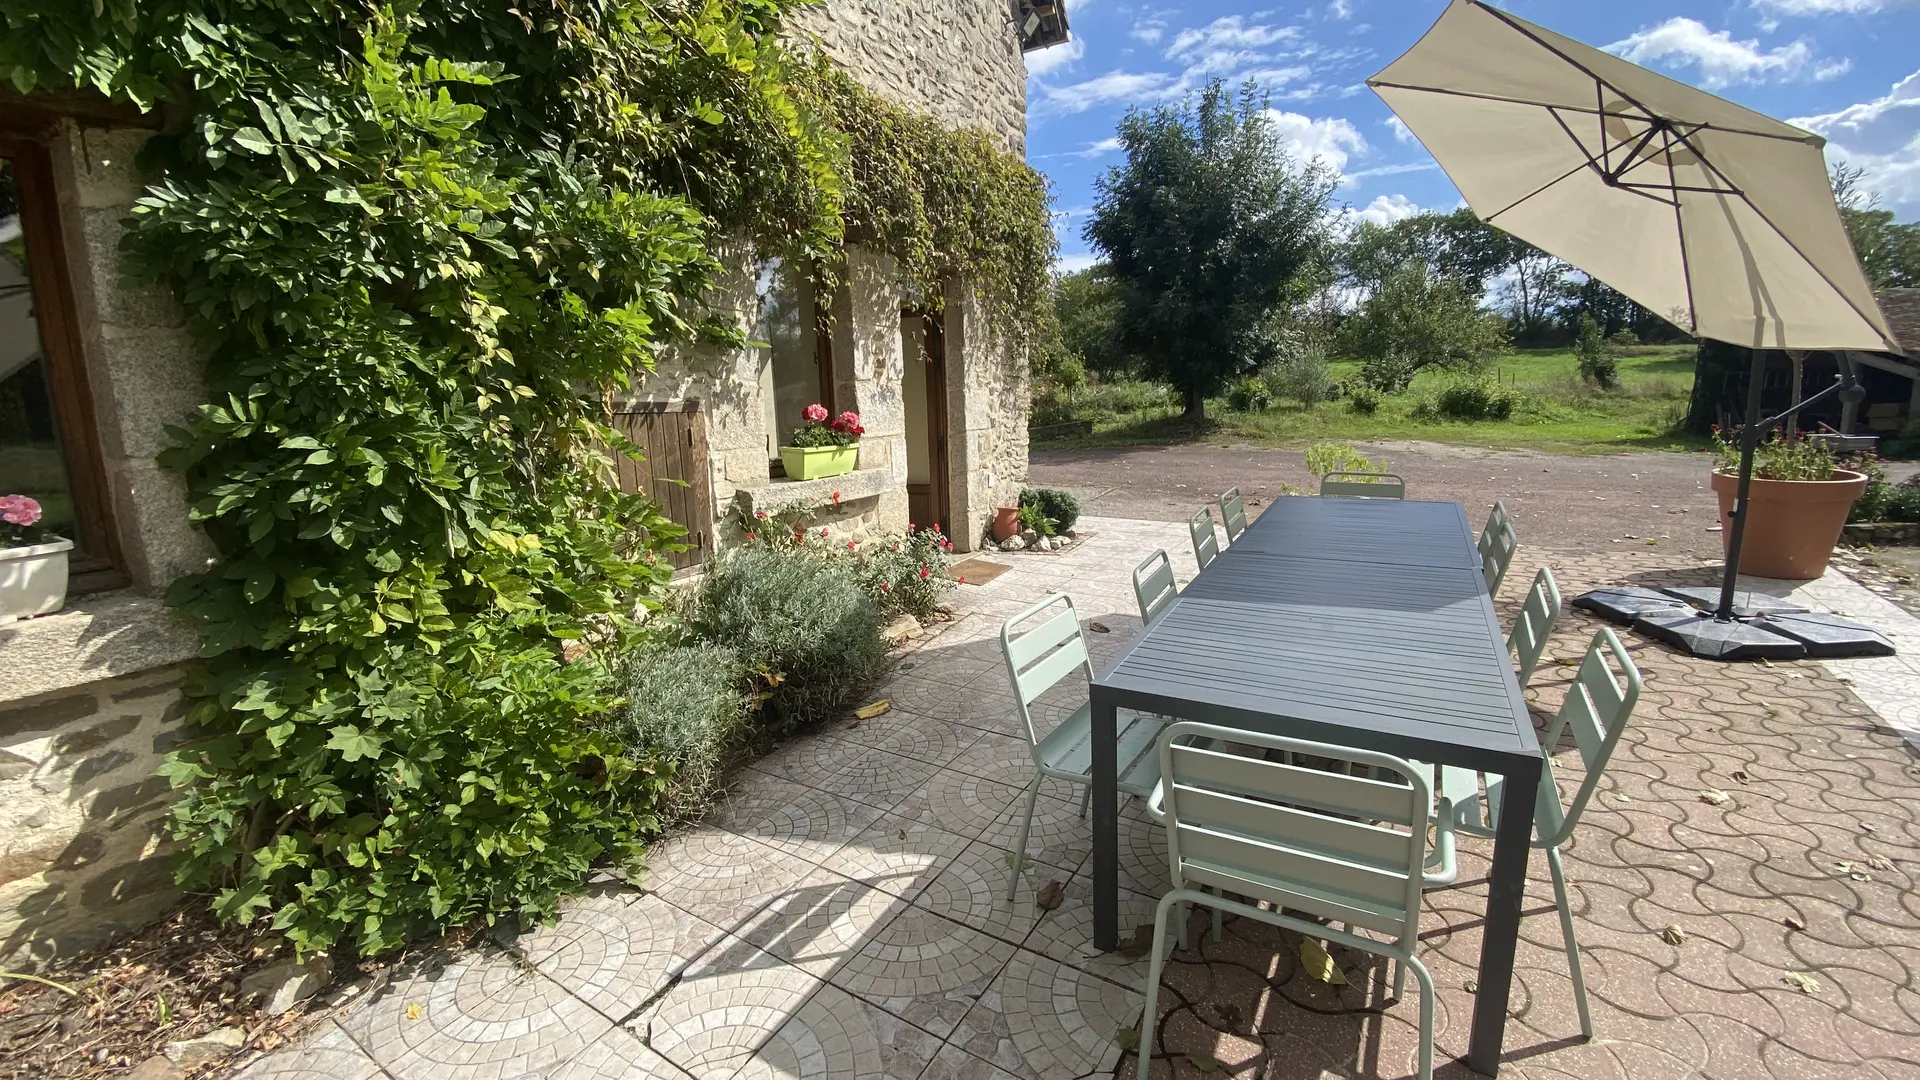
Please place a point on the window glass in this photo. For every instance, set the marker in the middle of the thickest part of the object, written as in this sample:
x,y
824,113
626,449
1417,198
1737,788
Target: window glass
x,y
790,362
30,460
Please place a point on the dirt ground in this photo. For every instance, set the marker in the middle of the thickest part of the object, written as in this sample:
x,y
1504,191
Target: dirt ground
x,y
1587,503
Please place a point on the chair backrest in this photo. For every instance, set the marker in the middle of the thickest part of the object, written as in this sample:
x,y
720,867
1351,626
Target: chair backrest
x,y
1528,641
1233,513
1205,544
1498,515
1364,485
1042,645
1153,586
1597,708
1346,848
1497,545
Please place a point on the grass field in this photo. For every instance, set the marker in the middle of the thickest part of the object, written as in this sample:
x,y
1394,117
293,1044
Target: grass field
x,y
1557,412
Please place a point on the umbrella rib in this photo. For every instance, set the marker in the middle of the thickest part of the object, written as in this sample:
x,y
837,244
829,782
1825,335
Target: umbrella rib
x,y
1588,164
1680,231
1377,83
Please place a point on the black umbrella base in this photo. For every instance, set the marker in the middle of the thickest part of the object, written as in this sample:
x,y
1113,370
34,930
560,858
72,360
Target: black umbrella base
x,y
1763,627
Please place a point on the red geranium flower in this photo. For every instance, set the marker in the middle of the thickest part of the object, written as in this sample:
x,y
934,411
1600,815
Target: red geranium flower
x,y
815,412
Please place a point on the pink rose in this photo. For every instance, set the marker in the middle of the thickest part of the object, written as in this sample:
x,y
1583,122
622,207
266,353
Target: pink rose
x,y
19,510
815,412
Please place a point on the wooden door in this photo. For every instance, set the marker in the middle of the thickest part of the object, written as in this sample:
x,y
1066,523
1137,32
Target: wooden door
x,y
675,472
928,502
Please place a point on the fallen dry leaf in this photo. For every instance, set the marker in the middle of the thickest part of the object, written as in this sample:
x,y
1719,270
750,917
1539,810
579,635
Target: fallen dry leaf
x,y
1099,628
414,1012
1050,896
1673,934
878,708
1318,963
1741,775
1880,862
1801,981
1127,1039
1793,923
1140,943
1715,797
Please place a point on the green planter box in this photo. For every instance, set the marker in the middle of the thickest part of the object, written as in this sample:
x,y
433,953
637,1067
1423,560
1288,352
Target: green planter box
x,y
814,462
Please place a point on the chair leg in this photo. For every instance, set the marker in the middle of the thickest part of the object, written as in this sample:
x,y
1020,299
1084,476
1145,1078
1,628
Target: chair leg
x,y
1399,979
1426,1014
1573,947
1154,969
1086,799
1020,849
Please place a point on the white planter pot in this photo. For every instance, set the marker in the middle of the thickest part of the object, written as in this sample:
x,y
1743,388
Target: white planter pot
x,y
33,579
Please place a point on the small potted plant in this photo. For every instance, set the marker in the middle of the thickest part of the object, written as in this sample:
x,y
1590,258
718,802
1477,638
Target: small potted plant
x,y
823,447
1796,508
33,563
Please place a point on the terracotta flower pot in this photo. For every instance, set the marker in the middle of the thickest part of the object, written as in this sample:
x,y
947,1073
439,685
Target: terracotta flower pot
x,y
1792,525
1006,522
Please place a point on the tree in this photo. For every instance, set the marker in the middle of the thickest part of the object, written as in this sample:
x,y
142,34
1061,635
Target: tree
x,y
1207,229
1889,252
1087,305
1419,319
1457,245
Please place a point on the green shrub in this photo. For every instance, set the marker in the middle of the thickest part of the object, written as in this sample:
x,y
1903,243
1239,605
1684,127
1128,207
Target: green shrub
x,y
1301,375
1364,400
905,574
1777,458
1249,394
802,626
1059,505
1389,371
1035,520
687,711
1595,355
1468,399
1329,457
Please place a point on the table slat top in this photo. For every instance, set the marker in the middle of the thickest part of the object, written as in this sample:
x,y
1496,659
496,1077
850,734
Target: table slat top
x,y
1374,531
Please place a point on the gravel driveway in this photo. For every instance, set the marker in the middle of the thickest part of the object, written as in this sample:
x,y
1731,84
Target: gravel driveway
x,y
1591,503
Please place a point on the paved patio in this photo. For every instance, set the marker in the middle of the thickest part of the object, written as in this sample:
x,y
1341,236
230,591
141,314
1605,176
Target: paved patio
x,y
843,914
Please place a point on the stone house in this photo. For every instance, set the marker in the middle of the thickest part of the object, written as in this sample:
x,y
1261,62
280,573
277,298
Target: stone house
x,y
91,371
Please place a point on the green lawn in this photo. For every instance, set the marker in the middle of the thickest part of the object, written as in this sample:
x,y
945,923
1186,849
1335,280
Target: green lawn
x,y
1557,411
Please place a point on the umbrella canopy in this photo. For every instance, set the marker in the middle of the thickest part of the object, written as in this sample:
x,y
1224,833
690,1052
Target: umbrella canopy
x,y
1711,214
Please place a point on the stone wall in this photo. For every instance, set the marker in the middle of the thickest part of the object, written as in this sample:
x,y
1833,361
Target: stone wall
x,y
81,812
957,60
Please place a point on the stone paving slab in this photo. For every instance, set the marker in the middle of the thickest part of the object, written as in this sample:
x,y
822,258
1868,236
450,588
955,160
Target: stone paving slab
x,y
843,913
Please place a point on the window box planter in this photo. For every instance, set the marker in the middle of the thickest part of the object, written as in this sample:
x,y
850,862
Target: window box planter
x,y
33,579
1792,524
814,462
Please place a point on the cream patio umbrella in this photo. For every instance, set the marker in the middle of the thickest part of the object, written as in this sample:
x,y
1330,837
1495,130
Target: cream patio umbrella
x,y
1713,215
1706,212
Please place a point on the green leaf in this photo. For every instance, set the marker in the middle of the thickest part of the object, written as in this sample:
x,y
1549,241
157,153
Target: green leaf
x,y
355,744
253,140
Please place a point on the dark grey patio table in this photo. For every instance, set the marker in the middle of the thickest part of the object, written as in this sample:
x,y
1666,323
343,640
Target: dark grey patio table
x,y
1358,622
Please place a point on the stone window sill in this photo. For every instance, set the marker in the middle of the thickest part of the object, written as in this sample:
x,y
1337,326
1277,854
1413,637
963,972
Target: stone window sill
x,y
858,484
103,636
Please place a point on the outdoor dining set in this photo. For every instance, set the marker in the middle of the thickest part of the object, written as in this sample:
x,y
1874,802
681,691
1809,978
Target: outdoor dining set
x,y
1314,721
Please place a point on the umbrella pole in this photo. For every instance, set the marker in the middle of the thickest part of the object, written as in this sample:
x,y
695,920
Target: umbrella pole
x,y
1749,442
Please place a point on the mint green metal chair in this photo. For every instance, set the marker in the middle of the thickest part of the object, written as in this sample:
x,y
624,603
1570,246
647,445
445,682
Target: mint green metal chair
x,y
1528,641
1596,711
1498,515
1205,544
1153,586
1043,645
1498,542
1233,513
1347,849
1363,485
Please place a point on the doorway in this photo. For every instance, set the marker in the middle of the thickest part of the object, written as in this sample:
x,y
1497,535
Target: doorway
x,y
923,390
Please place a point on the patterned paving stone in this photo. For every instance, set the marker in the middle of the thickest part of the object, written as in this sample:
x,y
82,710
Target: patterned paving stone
x,y
871,776
725,1007
972,889
618,1055
932,739
1043,1019
791,816
331,1054
953,1063
1060,837
923,968
481,1015
986,708
897,854
1066,933
836,1036
615,952
721,877
959,803
820,924
1006,759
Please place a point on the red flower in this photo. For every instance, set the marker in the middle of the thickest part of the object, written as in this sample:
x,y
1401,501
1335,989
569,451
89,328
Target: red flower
x,y
923,573
751,536
884,587
963,579
836,498
815,412
849,545
823,532
761,514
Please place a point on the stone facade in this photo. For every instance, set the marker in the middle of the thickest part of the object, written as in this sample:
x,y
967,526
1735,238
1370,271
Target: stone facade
x,y
89,697
81,813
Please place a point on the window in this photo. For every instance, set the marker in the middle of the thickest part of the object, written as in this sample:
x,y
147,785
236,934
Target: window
x,y
48,446
797,368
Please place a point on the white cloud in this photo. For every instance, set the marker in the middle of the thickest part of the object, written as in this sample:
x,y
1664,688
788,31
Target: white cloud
x,y
1149,30
1340,9
1100,90
1099,149
1881,136
1048,61
1067,264
1387,209
1389,170
1823,7
1225,35
1401,132
1681,42
1328,140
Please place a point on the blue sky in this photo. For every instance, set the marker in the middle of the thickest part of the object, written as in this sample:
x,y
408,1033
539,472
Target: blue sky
x,y
1849,69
